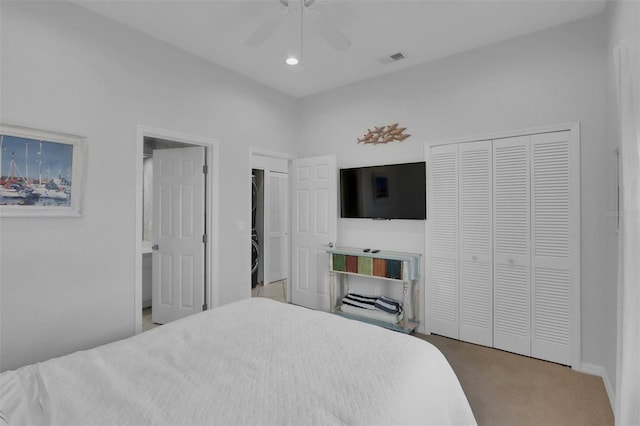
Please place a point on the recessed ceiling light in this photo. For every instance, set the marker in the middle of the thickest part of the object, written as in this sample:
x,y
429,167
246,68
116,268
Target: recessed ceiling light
x,y
292,60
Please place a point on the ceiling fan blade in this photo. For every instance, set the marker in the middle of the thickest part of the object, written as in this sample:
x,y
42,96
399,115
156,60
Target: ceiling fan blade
x,y
265,29
331,34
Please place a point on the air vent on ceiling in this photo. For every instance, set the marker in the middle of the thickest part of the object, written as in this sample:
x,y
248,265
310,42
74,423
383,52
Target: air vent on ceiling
x,y
392,58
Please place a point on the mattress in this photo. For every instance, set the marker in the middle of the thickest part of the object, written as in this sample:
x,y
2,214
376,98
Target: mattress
x,y
252,362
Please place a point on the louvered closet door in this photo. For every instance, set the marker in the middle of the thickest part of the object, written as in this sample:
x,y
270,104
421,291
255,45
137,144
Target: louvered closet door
x,y
476,247
277,228
512,256
443,267
551,177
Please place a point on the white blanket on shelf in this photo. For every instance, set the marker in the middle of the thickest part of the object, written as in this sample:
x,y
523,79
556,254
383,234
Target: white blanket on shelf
x,y
252,362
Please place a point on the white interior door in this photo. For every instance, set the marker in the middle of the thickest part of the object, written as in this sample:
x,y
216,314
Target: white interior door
x,y
178,233
476,242
442,263
314,227
553,208
277,205
512,255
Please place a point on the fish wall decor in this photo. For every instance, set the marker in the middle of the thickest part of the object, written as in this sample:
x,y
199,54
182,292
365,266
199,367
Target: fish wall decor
x,y
384,134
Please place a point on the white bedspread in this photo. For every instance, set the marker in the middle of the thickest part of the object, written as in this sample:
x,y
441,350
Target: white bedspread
x,y
251,362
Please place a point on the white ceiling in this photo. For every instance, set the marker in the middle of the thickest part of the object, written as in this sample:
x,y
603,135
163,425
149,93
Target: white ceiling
x,y
422,30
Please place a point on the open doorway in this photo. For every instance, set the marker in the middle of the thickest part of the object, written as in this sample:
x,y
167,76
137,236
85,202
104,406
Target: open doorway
x,y
270,225
176,204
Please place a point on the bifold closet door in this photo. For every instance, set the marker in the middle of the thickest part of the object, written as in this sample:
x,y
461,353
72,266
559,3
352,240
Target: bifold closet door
x,y
554,226
475,242
277,226
512,254
442,271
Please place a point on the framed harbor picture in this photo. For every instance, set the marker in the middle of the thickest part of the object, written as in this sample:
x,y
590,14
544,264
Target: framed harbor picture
x,y
41,172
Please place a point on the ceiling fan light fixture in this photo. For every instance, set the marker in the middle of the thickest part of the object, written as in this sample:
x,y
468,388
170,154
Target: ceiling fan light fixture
x,y
292,60
327,30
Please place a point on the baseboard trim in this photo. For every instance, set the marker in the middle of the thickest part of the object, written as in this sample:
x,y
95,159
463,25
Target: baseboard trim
x,y
598,370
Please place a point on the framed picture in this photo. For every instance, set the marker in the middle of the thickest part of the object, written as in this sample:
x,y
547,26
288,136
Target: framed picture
x,y
41,172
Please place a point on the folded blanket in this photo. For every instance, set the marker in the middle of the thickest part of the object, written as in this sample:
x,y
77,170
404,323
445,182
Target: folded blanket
x,y
381,303
373,314
387,304
359,301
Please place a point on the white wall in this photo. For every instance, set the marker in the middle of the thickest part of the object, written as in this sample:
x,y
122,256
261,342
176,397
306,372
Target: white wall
x,y
68,284
553,76
622,20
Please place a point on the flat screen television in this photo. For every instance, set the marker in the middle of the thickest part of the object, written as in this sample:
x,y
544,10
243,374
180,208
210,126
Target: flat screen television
x,y
393,191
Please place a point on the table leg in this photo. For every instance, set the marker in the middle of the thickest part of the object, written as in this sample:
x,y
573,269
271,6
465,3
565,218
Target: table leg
x,y
405,320
332,291
345,280
416,295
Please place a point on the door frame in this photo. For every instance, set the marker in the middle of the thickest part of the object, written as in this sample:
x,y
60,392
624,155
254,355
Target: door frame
x,y
254,163
211,206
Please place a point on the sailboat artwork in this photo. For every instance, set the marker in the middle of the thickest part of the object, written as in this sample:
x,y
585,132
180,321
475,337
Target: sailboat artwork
x,y
36,171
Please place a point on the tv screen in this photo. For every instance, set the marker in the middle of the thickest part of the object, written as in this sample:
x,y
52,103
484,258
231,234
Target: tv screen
x,y
395,191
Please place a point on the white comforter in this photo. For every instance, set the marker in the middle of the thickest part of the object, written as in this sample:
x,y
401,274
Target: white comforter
x,y
247,363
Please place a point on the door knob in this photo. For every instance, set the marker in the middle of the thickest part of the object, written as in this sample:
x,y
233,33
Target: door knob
x,y
155,247
330,245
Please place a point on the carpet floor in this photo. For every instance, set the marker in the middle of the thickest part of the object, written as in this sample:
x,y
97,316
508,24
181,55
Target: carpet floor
x,y
508,389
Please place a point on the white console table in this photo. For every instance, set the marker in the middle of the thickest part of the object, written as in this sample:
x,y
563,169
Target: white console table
x,y
392,266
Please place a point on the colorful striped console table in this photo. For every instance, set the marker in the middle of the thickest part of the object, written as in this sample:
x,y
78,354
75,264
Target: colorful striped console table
x,y
387,265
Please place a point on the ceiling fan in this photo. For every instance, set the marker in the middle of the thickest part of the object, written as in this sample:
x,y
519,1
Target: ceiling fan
x,y
303,8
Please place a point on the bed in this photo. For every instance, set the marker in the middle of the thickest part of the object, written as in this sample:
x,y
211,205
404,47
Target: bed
x,y
252,362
